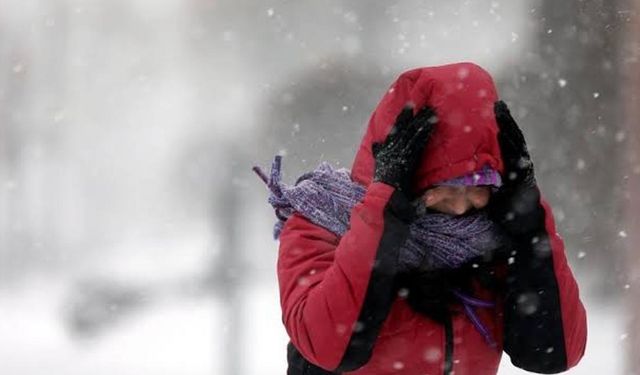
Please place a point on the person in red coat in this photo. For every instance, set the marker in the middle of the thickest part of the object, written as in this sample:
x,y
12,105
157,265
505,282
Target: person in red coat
x,y
440,142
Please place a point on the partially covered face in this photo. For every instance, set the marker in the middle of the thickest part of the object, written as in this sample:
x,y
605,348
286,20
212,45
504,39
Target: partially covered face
x,y
456,200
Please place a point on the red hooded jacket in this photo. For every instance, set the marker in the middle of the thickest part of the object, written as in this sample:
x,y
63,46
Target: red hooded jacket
x,y
339,303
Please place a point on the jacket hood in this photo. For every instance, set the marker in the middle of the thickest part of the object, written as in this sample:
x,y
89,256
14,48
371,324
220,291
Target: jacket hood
x,y
465,137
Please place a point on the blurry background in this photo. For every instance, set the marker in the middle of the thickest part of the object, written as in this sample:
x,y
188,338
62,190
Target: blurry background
x,y
134,237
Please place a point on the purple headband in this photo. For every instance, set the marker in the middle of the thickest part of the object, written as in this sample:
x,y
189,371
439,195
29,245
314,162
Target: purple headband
x,y
485,176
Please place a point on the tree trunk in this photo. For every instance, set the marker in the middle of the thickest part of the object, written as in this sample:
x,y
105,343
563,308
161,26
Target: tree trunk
x,y
632,192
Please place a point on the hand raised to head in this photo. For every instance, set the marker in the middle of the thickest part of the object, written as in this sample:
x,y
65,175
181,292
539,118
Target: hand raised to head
x,y
397,157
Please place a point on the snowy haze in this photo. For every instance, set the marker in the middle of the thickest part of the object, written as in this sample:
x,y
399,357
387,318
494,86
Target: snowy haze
x,y
134,238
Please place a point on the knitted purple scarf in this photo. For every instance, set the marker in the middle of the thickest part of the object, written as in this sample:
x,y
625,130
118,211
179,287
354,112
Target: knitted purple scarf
x,y
326,196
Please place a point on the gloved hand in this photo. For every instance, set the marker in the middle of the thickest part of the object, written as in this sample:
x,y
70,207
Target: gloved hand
x,y
516,204
532,310
397,157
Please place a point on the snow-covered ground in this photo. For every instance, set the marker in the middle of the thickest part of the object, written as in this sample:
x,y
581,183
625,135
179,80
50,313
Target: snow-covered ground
x,y
166,339
184,336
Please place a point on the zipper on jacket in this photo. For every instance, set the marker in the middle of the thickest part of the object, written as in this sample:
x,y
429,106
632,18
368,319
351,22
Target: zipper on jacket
x,y
448,344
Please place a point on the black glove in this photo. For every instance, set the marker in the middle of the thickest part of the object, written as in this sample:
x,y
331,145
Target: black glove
x,y
397,157
516,204
532,314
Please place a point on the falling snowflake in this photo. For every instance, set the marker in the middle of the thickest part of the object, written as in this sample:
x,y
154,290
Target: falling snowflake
x,y
397,365
624,336
432,355
463,73
528,303
303,281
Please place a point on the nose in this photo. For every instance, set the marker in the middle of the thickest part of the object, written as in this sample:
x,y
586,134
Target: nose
x,y
478,200
461,206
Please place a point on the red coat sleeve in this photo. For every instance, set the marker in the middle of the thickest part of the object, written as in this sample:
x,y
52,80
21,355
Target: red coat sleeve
x,y
327,283
574,316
